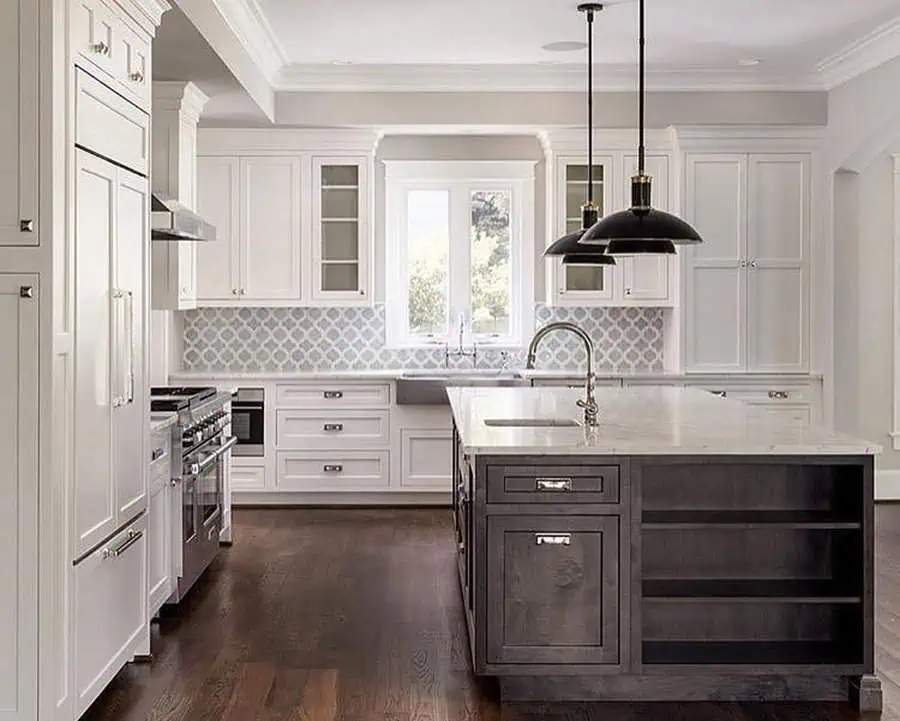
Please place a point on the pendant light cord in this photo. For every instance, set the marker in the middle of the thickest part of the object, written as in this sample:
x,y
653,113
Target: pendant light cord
x,y
641,44
590,107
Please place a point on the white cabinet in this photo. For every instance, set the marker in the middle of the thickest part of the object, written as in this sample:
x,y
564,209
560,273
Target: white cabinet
x,y
218,201
107,45
160,579
746,306
426,459
18,123
633,281
340,238
254,202
111,408
110,610
18,495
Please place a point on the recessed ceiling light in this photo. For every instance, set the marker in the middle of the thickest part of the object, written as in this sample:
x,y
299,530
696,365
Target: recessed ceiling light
x,y
748,62
564,46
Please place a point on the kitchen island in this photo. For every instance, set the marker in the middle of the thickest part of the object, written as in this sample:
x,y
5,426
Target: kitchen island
x,y
687,547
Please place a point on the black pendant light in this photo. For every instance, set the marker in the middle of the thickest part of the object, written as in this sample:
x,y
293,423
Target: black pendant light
x,y
568,246
641,229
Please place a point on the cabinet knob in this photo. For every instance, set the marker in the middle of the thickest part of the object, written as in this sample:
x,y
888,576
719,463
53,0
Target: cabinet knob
x,y
754,264
100,48
243,291
26,291
628,291
234,291
26,225
136,77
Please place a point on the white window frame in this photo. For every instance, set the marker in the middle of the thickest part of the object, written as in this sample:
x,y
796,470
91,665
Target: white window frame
x,y
460,178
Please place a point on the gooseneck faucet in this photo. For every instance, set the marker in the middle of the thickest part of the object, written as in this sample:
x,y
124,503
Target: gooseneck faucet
x,y
589,404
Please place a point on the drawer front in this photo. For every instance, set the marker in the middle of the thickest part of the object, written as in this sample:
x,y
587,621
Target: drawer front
x,y
160,456
247,478
553,484
110,126
553,589
95,35
132,66
332,395
333,472
768,395
110,609
305,430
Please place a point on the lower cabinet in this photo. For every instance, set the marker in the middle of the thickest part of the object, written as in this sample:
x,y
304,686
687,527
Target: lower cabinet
x,y
552,589
160,579
110,593
426,459
247,477
327,472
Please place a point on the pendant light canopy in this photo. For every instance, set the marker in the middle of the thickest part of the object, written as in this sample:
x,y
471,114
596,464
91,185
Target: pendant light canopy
x,y
641,229
568,246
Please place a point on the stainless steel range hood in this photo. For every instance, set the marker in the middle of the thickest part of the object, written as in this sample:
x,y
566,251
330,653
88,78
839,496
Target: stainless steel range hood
x,y
170,220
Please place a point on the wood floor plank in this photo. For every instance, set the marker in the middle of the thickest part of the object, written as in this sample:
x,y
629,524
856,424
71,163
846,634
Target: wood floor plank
x,y
248,699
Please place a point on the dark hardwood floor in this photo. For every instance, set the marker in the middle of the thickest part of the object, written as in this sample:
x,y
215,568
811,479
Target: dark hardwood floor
x,y
354,615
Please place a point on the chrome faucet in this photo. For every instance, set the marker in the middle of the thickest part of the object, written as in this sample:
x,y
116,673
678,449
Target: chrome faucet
x,y
589,404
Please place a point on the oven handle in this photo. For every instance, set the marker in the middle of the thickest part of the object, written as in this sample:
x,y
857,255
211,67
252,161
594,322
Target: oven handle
x,y
220,451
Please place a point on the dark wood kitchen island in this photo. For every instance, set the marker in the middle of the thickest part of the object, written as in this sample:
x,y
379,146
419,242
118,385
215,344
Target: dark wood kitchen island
x,y
688,547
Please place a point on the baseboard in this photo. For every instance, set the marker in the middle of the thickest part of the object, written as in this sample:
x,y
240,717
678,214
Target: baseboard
x,y
887,485
384,498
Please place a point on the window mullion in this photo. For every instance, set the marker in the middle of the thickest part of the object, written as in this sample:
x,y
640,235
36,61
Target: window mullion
x,y
460,286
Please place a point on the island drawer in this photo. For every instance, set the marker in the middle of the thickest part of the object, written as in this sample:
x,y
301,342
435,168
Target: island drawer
x,y
553,484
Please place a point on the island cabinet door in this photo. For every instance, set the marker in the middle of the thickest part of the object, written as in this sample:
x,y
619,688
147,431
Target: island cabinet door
x,y
553,590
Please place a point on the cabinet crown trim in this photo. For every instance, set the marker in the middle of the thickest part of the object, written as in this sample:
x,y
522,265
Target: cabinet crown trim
x,y
147,13
748,138
564,141
265,141
179,97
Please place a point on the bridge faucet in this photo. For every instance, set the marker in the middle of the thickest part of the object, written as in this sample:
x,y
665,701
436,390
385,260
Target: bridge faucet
x,y
589,404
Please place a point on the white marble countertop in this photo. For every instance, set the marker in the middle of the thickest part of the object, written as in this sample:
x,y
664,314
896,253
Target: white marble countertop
x,y
643,420
160,421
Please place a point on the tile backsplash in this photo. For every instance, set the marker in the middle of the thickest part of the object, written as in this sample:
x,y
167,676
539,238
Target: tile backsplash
x,y
626,340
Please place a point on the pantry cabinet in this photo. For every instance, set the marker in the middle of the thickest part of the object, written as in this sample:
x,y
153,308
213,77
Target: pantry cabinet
x,y
746,289
19,123
19,297
633,281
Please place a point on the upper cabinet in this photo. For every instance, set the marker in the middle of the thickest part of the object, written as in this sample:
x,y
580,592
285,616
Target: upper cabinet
x,y
19,123
108,46
633,281
293,224
746,285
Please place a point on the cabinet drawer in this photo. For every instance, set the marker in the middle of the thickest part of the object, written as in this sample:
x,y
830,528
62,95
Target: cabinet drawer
x,y
794,413
95,34
132,66
110,609
332,395
304,430
553,484
329,472
553,589
247,478
110,126
767,395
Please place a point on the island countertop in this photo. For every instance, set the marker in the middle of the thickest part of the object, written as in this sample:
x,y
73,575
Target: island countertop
x,y
650,420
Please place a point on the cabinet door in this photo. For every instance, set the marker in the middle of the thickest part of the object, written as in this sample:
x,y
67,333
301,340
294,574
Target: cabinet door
x,y
95,38
96,183
341,236
218,263
187,275
582,284
131,414
645,278
553,589
270,229
18,123
159,554
716,277
18,496
778,236
426,459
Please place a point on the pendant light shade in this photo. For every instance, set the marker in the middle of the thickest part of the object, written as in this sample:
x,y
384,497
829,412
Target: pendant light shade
x,y
569,246
641,229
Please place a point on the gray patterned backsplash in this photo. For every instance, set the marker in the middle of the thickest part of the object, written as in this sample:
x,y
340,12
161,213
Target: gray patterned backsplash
x,y
626,340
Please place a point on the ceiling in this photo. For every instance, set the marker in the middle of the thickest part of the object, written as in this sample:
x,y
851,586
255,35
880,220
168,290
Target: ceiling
x,y
682,34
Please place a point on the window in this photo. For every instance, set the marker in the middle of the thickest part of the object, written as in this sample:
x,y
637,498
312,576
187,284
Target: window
x,y
460,249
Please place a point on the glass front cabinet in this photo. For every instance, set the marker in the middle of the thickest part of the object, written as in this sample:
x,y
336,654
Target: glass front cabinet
x,y
340,238
639,281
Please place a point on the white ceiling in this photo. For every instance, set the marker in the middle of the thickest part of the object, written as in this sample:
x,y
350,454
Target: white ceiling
x,y
682,34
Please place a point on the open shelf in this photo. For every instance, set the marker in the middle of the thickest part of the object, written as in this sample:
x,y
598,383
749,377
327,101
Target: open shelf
x,y
783,590
689,519
747,652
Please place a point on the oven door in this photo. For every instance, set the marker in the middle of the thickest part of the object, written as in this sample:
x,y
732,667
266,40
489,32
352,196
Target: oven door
x,y
210,479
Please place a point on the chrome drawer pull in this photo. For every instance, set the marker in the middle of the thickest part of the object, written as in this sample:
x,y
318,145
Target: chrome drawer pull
x,y
333,427
331,395
100,48
157,454
554,484
133,537
336,468
779,395
721,394
210,533
556,539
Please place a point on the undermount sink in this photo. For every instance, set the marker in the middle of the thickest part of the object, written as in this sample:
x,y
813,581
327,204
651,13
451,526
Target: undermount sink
x,y
429,387
532,422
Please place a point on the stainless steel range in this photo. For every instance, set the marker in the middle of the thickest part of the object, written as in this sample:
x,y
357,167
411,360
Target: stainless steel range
x,y
204,447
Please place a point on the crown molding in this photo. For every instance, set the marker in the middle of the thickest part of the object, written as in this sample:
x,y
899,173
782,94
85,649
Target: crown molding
x,y
180,97
862,55
146,13
277,141
573,141
748,138
526,78
250,25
